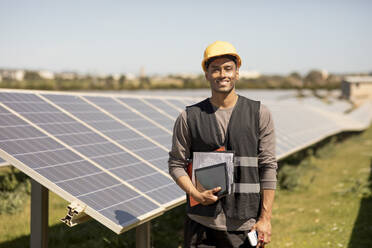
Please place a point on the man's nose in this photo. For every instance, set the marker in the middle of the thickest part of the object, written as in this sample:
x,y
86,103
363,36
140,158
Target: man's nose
x,y
223,73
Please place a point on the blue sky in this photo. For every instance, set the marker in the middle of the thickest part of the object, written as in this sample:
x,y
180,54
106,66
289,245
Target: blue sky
x,y
170,36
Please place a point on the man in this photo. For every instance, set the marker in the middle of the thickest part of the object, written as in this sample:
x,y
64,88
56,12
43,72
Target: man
x,y
238,124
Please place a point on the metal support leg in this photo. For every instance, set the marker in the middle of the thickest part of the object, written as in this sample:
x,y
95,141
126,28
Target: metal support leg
x,y
39,215
143,233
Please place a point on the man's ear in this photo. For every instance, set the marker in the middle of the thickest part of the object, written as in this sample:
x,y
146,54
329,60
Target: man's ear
x,y
237,73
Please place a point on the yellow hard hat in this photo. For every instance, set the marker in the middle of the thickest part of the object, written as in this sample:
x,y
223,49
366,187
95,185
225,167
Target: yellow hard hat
x,y
220,48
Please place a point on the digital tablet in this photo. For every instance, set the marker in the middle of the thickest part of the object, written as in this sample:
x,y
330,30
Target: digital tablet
x,y
211,177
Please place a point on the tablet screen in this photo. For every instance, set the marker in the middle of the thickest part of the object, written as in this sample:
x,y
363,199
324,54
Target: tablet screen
x,y
212,176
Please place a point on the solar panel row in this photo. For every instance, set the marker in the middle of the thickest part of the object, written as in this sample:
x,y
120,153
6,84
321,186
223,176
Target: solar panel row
x,y
74,147
110,152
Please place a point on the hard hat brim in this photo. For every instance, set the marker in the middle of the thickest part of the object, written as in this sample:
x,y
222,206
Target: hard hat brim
x,y
238,60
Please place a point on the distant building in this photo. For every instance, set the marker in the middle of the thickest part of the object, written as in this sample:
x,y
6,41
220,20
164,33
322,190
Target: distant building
x,y
357,88
46,74
19,75
12,74
249,74
324,73
142,72
186,75
116,76
159,81
130,76
68,75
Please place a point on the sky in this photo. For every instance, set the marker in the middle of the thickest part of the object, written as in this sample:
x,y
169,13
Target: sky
x,y
170,36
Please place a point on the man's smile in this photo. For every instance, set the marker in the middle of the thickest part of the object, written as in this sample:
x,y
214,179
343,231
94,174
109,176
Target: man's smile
x,y
223,81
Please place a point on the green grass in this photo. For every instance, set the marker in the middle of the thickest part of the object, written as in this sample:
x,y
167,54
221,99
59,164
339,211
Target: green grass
x,y
328,205
332,204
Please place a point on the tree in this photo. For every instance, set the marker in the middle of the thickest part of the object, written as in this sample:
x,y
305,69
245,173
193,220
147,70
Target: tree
x,y
314,79
109,82
295,80
32,75
122,81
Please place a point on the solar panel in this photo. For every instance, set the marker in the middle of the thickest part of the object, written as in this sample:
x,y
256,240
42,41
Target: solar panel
x,y
71,176
162,105
146,109
156,141
116,157
177,103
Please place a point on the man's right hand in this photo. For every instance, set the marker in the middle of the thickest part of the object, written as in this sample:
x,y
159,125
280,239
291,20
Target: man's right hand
x,y
206,197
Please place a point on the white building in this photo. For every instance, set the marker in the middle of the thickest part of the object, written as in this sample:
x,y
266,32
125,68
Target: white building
x,y
357,88
129,76
249,74
46,74
19,75
68,75
12,74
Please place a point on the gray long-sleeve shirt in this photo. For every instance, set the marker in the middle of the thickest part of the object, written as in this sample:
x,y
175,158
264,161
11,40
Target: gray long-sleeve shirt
x,y
178,160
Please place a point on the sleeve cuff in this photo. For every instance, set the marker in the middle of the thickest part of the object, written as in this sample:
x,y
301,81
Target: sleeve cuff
x,y
268,185
177,172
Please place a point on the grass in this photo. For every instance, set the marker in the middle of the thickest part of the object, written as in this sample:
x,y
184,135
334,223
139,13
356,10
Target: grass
x,y
331,206
328,204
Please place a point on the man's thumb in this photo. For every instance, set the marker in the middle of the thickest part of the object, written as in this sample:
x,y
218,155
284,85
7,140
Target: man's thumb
x,y
215,190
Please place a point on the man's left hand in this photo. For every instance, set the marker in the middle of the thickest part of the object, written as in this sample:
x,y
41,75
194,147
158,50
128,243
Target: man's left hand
x,y
263,228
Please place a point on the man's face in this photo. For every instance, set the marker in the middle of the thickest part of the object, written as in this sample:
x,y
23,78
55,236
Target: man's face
x,y
222,74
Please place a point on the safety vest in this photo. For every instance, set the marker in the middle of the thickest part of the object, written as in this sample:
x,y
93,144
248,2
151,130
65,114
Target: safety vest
x,y
241,138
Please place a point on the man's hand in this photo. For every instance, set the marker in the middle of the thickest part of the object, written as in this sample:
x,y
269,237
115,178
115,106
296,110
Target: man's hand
x,y
263,228
263,225
206,197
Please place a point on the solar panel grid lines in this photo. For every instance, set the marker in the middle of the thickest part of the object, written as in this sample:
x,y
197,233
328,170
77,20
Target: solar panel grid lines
x,y
309,142
103,135
163,112
67,190
120,101
177,103
124,123
152,116
177,108
81,155
186,102
155,152
339,120
61,192
166,200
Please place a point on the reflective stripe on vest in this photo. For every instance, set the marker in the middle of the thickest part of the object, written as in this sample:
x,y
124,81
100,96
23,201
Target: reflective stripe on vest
x,y
246,161
246,187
